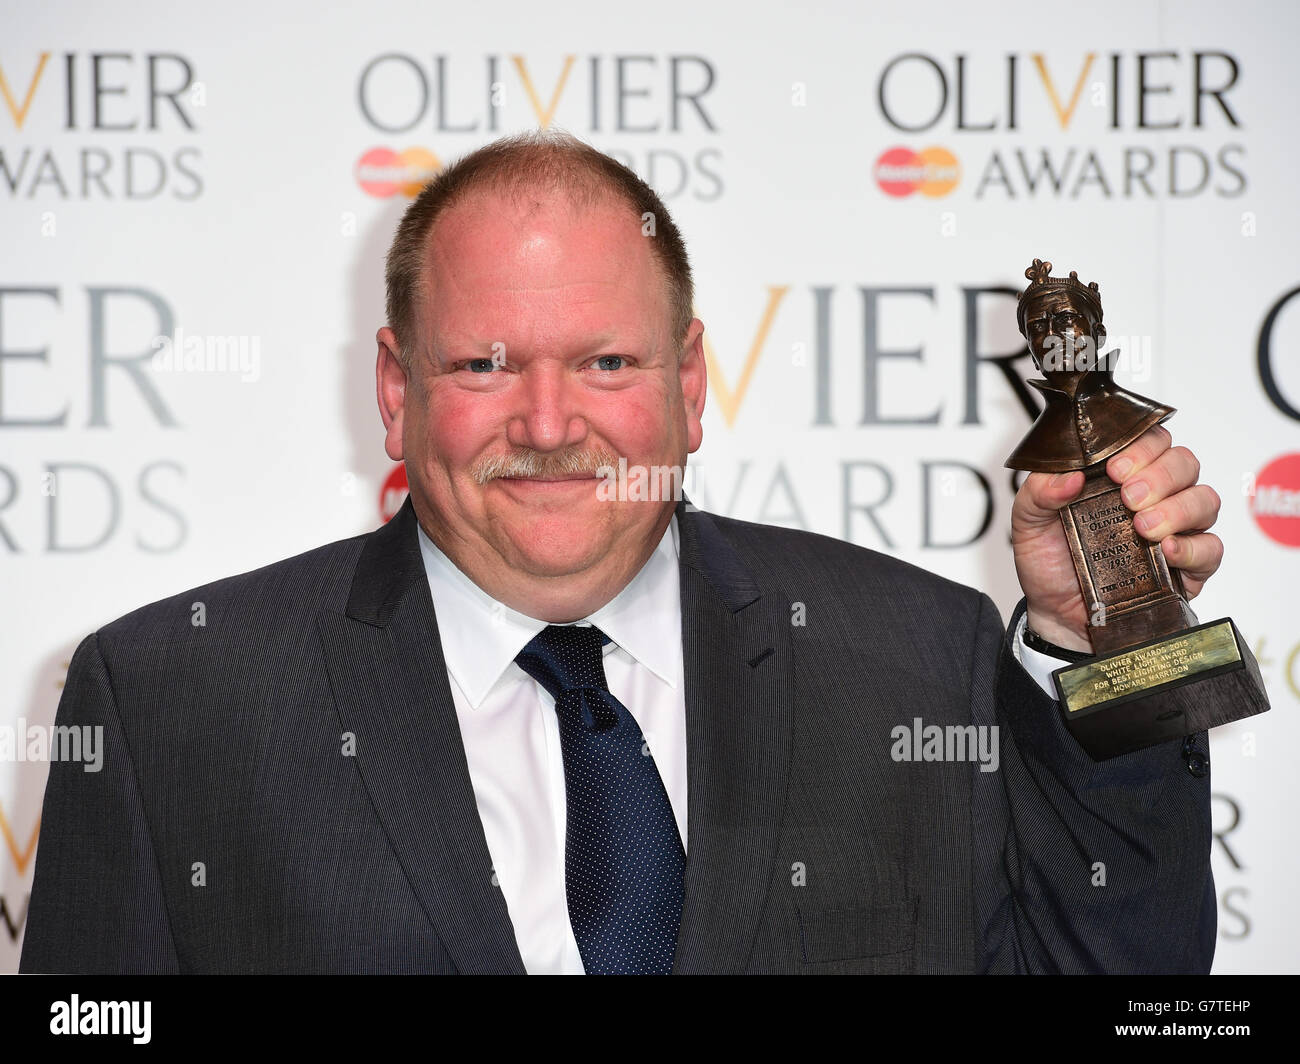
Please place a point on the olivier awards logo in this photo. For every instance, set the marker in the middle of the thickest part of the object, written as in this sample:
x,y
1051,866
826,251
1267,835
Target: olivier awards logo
x,y
100,126
1066,126
652,112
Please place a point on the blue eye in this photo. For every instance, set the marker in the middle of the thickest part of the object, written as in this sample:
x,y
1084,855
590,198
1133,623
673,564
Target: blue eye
x,y
604,362
480,365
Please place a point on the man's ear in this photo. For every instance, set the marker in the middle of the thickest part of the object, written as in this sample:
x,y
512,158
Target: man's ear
x,y
1099,335
693,374
390,387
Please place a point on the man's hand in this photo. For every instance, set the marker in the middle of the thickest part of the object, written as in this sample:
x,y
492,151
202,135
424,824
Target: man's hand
x,y
1158,484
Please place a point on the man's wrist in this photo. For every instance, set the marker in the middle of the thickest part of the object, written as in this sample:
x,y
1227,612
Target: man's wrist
x,y
1047,629
1036,642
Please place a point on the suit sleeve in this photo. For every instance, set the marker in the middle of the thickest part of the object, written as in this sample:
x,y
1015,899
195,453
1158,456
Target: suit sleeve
x,y
97,900
1082,866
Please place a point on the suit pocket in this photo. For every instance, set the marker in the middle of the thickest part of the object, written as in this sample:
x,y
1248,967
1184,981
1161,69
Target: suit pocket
x,y
886,932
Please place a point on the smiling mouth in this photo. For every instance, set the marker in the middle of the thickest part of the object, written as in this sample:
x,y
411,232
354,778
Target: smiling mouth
x,y
552,480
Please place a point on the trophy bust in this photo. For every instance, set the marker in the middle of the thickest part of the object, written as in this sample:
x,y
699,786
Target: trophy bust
x,y
1088,417
1157,674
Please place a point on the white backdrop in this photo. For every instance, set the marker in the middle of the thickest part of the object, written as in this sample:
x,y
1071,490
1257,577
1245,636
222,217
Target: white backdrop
x,y
220,170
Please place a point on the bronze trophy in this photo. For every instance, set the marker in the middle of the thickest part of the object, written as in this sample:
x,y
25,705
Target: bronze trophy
x,y
1158,674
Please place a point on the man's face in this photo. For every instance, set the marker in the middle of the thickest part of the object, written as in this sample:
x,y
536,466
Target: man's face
x,y
544,338
1062,337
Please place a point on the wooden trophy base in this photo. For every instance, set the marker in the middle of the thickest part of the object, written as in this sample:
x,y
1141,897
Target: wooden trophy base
x,y
1159,675
1163,689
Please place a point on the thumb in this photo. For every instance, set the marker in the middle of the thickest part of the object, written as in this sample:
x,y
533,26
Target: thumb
x,y
1041,498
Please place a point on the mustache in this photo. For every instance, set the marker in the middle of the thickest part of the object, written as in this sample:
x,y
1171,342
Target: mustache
x,y
528,463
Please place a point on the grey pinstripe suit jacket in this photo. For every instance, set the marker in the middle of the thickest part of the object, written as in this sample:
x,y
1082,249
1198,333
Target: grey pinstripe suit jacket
x,y
811,849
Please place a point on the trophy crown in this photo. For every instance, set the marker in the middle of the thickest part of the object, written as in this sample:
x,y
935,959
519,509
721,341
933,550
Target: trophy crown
x,y
1042,283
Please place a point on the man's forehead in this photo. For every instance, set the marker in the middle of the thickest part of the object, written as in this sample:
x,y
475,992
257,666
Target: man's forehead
x,y
524,213
541,243
479,307
540,261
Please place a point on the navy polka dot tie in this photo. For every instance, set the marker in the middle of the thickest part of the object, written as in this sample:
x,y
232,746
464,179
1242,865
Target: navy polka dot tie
x,y
623,856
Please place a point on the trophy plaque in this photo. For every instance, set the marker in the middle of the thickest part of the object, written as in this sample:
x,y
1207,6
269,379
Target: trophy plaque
x,y
1157,673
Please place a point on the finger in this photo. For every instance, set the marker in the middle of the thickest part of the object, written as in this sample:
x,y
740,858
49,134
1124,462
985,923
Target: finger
x,y
1175,469
1139,454
1192,509
1198,556
1042,495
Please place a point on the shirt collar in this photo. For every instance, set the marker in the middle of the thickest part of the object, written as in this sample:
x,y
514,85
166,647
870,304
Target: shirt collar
x,y
481,636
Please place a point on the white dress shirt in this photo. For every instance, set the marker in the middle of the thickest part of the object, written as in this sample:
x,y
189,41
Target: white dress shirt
x,y
512,734
1035,662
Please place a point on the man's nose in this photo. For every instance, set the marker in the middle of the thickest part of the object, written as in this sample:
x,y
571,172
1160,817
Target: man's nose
x,y
547,414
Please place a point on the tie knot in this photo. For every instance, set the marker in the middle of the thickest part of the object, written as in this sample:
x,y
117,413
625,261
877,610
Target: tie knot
x,y
566,657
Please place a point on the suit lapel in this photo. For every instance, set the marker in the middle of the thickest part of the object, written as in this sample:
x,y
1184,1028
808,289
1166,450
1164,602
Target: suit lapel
x,y
739,681
390,685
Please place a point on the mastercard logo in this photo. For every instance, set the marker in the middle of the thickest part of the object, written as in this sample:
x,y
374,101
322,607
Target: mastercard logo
x,y
930,171
383,172
1275,501
393,493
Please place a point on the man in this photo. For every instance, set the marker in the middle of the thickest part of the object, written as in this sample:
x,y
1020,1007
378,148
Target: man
x,y
534,725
